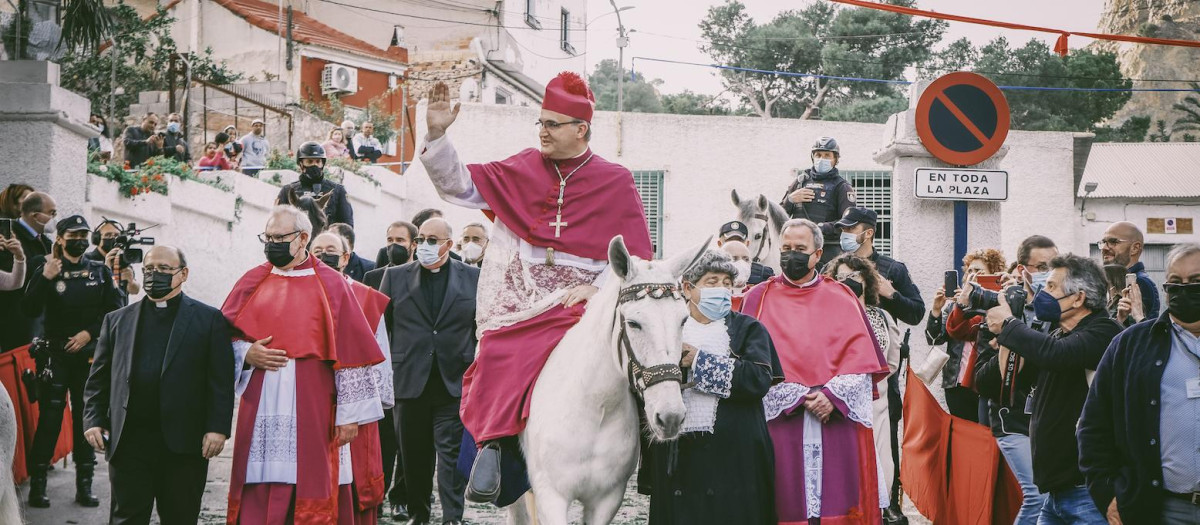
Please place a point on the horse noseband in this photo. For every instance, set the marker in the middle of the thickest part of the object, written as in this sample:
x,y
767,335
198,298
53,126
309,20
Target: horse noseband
x,y
643,377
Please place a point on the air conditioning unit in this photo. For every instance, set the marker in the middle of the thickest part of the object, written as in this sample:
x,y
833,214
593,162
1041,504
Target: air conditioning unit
x,y
337,78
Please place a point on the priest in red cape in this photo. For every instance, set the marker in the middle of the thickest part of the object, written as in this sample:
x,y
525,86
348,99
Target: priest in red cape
x,y
365,451
820,417
555,208
306,354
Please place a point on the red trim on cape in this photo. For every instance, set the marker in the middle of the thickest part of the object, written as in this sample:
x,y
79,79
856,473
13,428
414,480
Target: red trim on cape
x,y
820,330
601,202
372,302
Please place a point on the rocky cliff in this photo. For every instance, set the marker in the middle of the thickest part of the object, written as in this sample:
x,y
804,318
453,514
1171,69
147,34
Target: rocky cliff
x,y
1177,19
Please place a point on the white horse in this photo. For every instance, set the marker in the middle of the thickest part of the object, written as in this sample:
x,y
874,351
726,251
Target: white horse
x,y
10,506
581,440
764,219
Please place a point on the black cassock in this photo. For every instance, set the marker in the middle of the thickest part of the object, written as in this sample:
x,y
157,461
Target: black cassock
x,y
725,477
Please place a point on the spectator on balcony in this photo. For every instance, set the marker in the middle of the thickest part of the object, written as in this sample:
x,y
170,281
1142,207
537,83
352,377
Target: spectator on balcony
x,y
366,145
142,142
175,143
214,159
335,147
348,132
255,148
102,144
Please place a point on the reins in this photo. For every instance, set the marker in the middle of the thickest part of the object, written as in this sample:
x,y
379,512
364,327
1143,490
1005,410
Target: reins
x,y
765,238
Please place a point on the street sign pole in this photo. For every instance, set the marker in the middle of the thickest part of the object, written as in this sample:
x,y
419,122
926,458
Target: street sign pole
x,y
960,233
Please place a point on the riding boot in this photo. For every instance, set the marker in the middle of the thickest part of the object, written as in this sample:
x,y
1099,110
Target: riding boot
x,y
83,486
484,484
37,487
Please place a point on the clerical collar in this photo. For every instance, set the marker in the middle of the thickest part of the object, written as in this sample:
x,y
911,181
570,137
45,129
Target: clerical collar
x,y
164,306
305,268
810,282
570,163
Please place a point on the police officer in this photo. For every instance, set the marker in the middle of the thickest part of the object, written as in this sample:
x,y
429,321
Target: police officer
x,y
821,195
737,231
311,158
104,238
73,294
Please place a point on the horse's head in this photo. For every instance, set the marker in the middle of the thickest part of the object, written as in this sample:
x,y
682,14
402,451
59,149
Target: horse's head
x,y
764,220
652,310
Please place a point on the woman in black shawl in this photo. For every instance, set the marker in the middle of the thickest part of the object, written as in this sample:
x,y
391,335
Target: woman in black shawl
x,y
721,469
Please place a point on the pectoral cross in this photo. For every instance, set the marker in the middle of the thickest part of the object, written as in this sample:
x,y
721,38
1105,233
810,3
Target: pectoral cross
x,y
558,222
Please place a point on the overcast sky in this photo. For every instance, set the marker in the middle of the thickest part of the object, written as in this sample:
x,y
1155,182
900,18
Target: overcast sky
x,y
669,29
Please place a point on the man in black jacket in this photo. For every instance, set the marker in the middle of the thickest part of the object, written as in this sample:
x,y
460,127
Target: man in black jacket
x,y
311,158
104,239
398,250
433,305
821,195
159,400
37,212
141,142
175,143
1076,297
1137,436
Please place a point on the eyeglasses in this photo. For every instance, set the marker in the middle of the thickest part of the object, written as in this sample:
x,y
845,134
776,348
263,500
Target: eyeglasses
x,y
1173,288
554,124
147,270
432,241
844,276
266,237
1110,241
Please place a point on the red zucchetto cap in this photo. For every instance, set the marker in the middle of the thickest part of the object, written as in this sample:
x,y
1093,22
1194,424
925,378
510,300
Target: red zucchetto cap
x,y
569,94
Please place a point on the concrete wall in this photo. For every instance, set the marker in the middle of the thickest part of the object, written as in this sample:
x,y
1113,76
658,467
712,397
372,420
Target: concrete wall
x,y
1107,211
538,50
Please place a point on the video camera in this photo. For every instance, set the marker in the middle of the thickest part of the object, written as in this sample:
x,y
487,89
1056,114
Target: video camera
x,y
127,238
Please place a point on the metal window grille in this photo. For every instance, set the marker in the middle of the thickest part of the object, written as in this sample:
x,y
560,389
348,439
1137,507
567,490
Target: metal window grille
x,y
873,190
649,185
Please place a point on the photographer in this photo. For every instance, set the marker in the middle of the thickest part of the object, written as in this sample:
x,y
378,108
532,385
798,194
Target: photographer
x,y
142,142
1075,296
106,251
74,295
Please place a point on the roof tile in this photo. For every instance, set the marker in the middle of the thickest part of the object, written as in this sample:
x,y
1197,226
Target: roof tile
x,y
307,30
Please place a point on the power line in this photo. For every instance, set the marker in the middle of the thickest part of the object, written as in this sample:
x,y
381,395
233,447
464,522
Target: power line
x,y
906,82
458,22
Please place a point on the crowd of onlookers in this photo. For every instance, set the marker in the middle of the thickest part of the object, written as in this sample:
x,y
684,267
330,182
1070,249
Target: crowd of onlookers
x,y
226,151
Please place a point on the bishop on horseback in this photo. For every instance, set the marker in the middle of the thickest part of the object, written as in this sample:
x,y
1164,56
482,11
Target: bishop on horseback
x,y
555,210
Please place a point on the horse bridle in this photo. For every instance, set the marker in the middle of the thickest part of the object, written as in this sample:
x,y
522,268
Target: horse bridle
x,y
642,377
763,244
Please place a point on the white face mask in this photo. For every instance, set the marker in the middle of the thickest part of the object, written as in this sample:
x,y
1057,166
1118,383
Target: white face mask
x,y
822,165
472,251
743,273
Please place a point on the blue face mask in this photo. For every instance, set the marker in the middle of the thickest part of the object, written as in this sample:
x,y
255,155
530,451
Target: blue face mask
x,y
173,127
1037,281
822,166
428,255
715,303
1047,308
850,242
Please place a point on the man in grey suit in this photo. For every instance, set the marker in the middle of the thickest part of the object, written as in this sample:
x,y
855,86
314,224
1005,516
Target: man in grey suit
x,y
159,400
433,307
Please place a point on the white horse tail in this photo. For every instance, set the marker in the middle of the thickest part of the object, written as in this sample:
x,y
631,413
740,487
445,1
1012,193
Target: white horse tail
x,y
10,505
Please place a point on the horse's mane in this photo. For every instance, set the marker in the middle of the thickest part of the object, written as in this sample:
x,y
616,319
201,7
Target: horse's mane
x,y
311,206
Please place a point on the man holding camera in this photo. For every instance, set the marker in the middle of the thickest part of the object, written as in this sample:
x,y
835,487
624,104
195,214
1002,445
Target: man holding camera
x,y
106,251
141,142
1075,296
74,295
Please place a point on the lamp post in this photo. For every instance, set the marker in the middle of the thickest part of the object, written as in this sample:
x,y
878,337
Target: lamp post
x,y
622,43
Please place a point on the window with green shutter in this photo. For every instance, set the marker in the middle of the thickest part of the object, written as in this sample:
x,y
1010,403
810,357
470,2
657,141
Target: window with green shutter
x,y
873,190
649,186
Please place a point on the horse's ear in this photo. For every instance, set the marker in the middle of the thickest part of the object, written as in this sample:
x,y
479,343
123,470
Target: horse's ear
x,y
763,203
291,195
778,216
322,200
619,259
680,263
736,201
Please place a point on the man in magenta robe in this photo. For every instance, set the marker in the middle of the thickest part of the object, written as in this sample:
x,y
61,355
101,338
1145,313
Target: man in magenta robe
x,y
820,417
555,208
306,385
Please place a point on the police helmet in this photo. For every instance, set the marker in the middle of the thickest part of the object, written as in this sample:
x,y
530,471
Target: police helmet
x,y
310,150
826,144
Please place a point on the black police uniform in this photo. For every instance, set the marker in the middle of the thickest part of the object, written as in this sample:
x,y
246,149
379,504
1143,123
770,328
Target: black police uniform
x,y
833,196
95,255
77,299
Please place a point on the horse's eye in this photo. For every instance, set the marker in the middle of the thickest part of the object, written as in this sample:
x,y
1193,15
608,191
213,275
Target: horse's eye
x,y
633,325
757,236
683,322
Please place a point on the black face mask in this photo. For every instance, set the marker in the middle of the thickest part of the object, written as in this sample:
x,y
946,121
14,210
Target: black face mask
x,y
106,245
855,286
76,247
334,261
158,285
795,264
1183,302
279,254
312,175
397,254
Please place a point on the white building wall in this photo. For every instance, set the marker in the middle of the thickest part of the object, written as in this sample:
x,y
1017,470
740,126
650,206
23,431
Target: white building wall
x,y
1108,211
539,50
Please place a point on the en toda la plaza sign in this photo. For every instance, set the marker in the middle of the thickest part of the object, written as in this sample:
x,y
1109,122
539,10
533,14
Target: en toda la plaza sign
x,y
961,184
